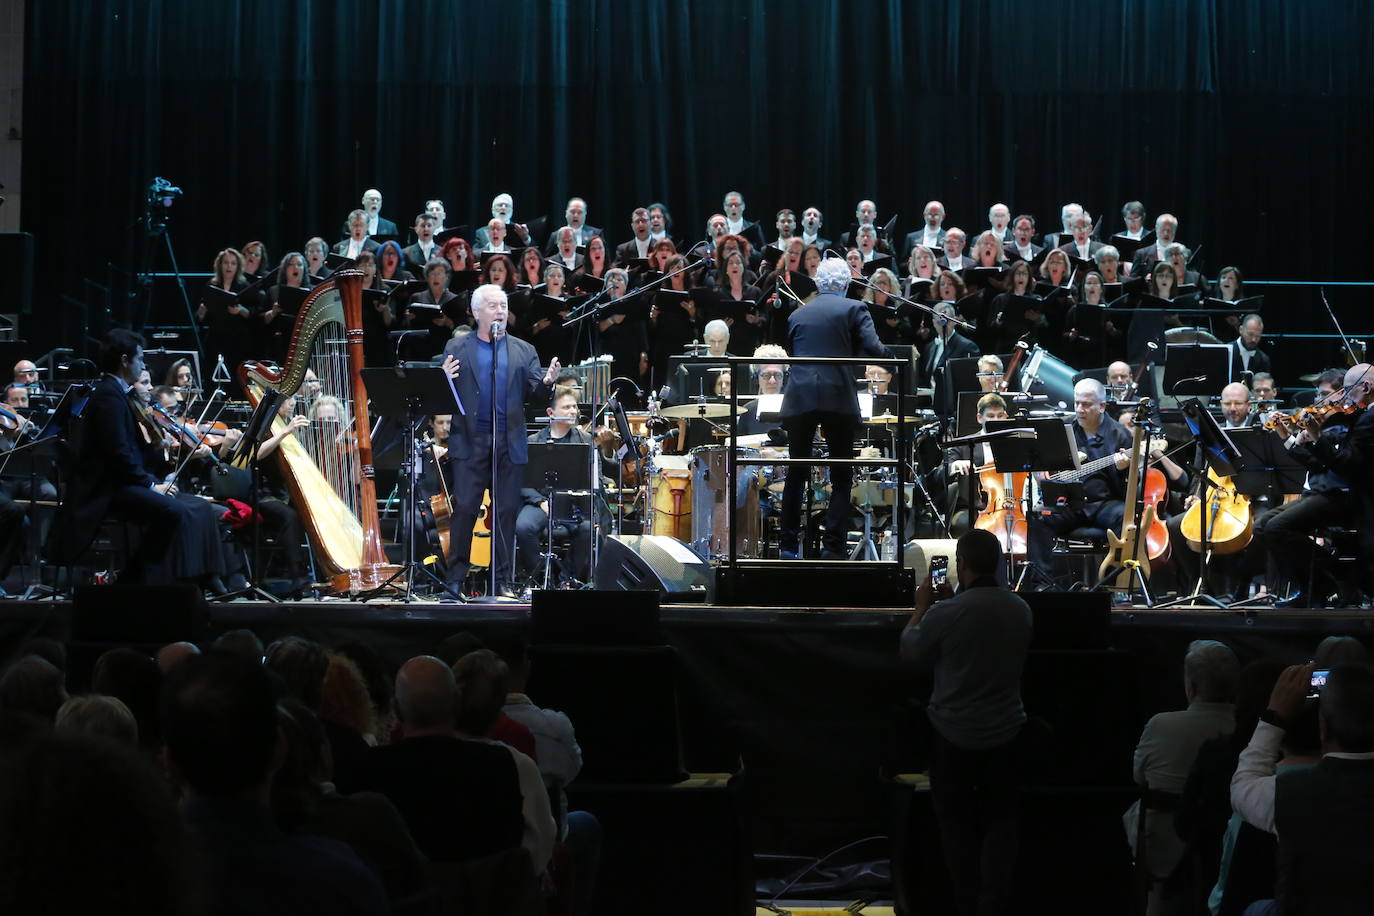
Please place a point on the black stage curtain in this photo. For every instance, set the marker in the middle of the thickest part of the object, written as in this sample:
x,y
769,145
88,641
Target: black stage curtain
x,y
274,116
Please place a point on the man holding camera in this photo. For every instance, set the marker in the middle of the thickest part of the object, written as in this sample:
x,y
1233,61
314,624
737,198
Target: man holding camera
x,y
975,643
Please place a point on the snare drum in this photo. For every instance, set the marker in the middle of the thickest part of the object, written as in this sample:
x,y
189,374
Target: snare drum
x,y
710,514
670,497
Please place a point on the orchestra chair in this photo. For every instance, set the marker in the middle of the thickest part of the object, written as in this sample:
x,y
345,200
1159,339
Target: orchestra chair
x,y
1085,546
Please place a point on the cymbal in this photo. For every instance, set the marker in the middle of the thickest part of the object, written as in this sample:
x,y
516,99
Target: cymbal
x,y
1310,378
692,411
886,419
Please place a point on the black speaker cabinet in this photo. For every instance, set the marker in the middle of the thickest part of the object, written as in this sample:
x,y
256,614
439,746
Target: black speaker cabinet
x,y
636,562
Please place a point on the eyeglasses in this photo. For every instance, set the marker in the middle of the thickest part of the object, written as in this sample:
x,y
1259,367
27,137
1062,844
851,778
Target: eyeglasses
x,y
770,375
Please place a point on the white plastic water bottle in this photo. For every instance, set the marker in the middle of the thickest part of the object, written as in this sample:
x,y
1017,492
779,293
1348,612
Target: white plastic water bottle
x,y
889,552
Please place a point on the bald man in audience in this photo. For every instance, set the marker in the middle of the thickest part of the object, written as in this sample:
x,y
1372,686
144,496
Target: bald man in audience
x,y
173,654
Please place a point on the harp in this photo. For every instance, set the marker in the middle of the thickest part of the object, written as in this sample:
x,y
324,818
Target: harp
x,y
328,466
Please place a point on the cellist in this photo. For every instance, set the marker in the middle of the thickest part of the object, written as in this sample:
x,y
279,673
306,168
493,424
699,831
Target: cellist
x,y
959,465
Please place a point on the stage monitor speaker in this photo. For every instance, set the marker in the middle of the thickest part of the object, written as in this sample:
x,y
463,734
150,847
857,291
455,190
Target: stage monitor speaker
x,y
148,615
16,272
1077,621
636,562
796,583
595,618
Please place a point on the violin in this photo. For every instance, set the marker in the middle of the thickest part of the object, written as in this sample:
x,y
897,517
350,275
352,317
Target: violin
x,y
11,420
1316,414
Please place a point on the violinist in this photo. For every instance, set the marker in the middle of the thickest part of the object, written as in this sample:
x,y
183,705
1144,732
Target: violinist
x,y
1266,395
1097,435
1285,535
1352,458
16,430
181,377
109,477
533,519
1235,406
199,552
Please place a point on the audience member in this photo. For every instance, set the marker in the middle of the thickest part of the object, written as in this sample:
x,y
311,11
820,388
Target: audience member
x,y
133,678
89,826
302,664
173,654
461,799
344,699
223,745
243,643
33,685
105,717
975,644
304,800
1168,746
481,682
1321,814
504,729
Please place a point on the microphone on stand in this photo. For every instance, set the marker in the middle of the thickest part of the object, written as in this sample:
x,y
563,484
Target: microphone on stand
x,y
498,329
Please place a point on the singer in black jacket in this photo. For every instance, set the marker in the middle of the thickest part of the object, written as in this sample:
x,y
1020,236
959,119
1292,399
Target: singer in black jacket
x,y
468,360
824,396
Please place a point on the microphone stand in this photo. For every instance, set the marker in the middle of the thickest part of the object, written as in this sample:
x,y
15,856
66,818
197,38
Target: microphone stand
x,y
496,339
930,310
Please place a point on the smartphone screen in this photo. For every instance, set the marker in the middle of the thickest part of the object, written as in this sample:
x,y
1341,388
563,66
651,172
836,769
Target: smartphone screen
x,y
939,570
1318,682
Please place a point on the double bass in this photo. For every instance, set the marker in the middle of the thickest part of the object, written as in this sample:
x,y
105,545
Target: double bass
x,y
1127,552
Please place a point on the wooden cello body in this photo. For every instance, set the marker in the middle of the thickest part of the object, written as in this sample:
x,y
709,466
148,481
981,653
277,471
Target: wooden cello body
x,y
331,481
1127,553
1226,514
1004,513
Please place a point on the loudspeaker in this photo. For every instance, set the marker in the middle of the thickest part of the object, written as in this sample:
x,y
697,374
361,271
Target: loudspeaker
x,y
595,618
151,615
796,583
1070,620
636,562
919,553
16,272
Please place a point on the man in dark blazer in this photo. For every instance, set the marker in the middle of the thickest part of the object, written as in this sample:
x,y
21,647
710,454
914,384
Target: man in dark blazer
x,y
824,396
737,224
945,344
358,240
811,222
1082,246
639,244
372,211
932,234
1022,246
468,360
954,257
108,477
576,216
1246,355
423,249
1166,233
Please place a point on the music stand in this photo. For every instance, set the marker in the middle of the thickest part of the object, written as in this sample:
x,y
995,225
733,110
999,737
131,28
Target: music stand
x,y
414,393
1214,448
555,470
1194,369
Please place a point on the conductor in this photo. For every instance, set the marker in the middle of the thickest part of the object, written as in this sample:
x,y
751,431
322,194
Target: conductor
x,y
824,396
474,441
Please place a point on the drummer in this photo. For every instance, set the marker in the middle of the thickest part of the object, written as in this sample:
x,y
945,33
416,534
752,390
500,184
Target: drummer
x,y
879,379
990,372
770,381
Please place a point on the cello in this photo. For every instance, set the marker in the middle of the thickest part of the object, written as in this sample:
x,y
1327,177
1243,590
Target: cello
x,y
1004,513
1224,517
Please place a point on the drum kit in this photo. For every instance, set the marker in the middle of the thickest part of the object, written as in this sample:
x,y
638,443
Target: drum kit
x,y
685,491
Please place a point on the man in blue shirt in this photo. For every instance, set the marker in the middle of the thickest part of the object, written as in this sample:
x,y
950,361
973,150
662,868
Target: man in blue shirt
x,y
477,437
